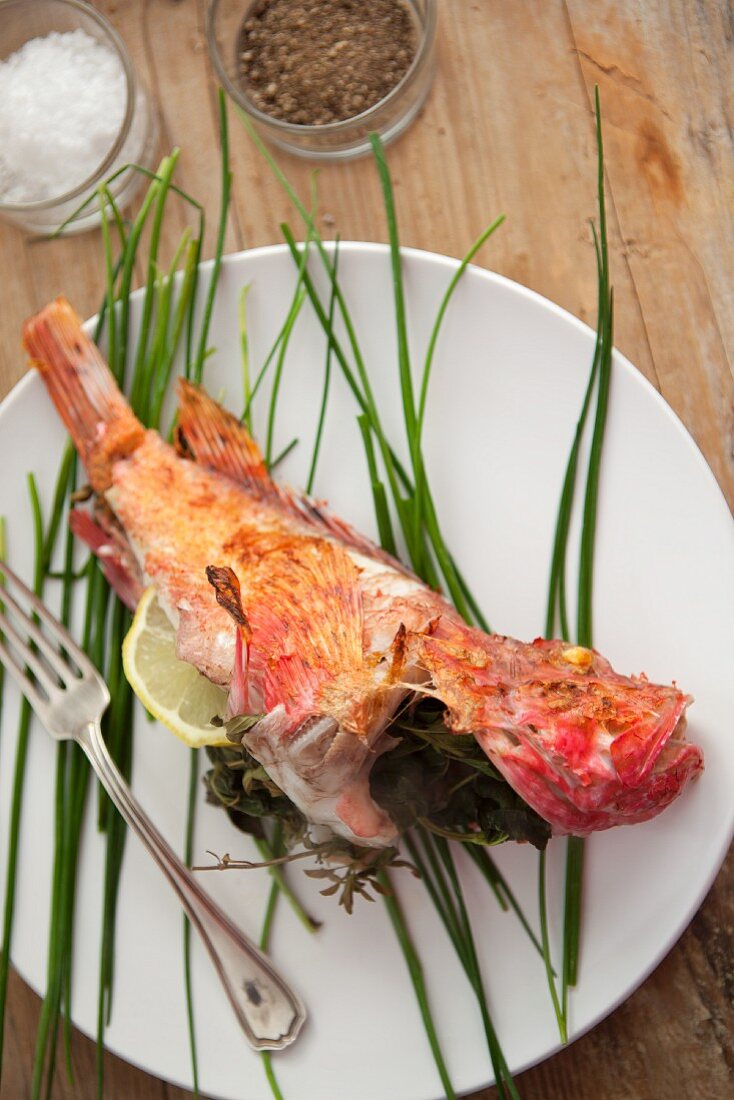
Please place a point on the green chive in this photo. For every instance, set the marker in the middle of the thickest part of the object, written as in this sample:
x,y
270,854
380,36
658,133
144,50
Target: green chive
x,y
269,358
165,173
441,879
365,395
64,482
599,382
226,189
245,356
268,852
327,378
572,916
379,496
45,1050
543,910
188,857
16,803
501,889
290,322
415,970
109,268
282,455
277,849
406,382
170,346
3,551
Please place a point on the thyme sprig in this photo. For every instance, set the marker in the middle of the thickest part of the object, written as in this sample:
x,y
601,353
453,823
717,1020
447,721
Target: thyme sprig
x,y
353,872
350,870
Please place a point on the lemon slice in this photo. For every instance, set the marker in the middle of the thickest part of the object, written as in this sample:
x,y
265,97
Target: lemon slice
x,y
173,691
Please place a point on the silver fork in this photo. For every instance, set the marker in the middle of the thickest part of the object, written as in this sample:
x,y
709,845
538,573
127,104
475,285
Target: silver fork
x,y
70,697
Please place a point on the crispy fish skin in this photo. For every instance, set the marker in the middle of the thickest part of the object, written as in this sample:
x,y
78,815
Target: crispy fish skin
x,y
323,606
319,630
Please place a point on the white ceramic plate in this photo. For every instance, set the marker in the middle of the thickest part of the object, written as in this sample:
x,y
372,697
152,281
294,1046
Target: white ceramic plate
x,y
508,382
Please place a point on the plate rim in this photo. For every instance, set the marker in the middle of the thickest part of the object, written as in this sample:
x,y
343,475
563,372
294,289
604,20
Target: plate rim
x,y
232,259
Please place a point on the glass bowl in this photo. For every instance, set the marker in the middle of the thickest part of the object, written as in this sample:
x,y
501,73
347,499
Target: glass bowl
x,y
136,141
333,140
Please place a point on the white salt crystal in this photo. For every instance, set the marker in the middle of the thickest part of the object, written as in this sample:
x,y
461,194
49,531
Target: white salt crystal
x,y
62,102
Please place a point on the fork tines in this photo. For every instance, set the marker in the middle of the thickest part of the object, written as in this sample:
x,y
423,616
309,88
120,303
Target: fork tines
x,y
34,647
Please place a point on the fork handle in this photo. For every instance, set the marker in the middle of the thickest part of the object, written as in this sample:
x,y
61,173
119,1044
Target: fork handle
x,y
269,1013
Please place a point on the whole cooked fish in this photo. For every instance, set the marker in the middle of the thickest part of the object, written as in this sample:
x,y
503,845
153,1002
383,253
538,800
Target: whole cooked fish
x,y
312,626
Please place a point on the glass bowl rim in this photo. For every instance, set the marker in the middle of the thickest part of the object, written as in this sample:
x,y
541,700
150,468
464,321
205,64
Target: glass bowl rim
x,y
342,126
119,46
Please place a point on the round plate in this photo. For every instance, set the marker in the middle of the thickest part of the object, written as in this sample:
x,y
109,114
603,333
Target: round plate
x,y
507,387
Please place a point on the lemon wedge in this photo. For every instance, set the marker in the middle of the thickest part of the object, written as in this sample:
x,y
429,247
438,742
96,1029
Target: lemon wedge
x,y
173,691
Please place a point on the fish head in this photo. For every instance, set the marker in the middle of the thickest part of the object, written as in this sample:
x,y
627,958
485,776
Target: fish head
x,y
586,747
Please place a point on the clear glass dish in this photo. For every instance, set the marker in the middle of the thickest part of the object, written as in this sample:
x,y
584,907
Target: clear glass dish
x,y
333,140
136,141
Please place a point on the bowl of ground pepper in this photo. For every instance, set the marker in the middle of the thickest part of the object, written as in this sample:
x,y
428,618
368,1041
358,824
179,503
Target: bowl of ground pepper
x,y
316,77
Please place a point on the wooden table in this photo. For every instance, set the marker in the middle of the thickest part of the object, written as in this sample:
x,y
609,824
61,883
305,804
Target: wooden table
x,y
508,127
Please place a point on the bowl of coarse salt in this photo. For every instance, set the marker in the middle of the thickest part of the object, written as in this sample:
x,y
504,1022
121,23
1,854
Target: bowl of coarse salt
x,y
72,115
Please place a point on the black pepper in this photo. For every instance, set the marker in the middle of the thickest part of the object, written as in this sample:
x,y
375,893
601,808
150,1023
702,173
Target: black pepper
x,y
325,60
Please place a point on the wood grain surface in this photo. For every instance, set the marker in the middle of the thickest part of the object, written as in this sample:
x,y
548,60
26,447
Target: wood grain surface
x,y
508,127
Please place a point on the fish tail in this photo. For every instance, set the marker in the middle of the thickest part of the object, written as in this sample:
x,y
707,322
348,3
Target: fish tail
x,y
83,389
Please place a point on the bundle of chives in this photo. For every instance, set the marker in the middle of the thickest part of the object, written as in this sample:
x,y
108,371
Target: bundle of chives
x,y
419,526
416,512
105,622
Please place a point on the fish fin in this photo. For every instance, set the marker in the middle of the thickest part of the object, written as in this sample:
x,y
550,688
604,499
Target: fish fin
x,y
304,610
226,586
217,439
308,620
635,752
399,653
125,582
83,389
316,515
357,809
292,681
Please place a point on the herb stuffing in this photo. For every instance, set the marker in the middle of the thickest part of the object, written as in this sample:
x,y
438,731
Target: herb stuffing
x,y
434,778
